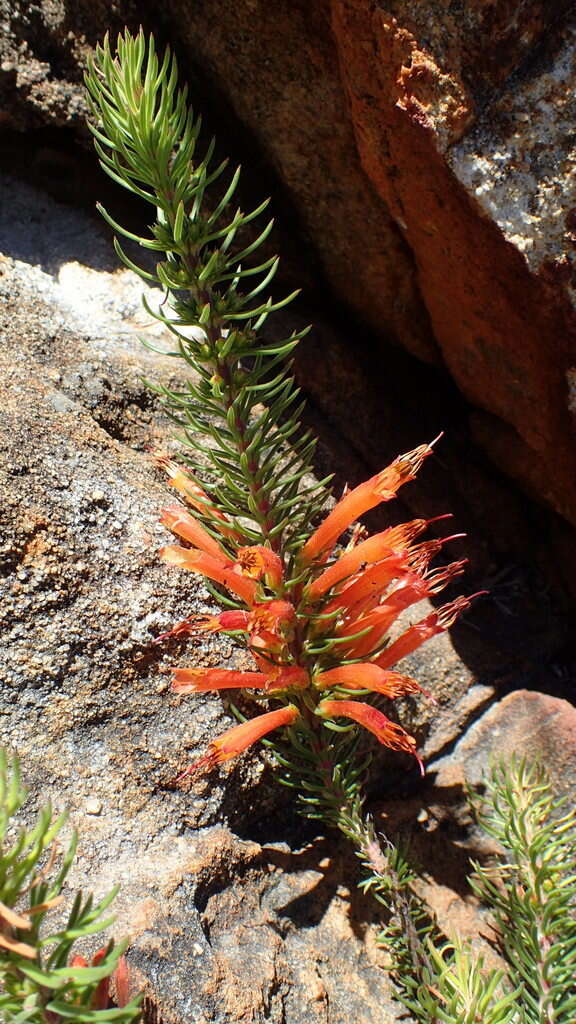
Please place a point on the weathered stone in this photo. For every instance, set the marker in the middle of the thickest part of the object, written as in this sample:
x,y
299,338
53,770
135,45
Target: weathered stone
x,y
503,336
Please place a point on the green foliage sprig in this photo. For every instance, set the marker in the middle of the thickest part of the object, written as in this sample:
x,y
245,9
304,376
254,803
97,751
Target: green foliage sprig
x,y
42,982
530,888
147,138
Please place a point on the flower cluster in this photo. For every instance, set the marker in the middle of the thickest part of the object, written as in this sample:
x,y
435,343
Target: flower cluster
x,y
318,627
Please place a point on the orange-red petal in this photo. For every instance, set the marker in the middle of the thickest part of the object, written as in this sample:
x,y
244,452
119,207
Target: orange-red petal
x,y
368,676
416,635
393,541
367,586
201,680
240,737
381,487
193,493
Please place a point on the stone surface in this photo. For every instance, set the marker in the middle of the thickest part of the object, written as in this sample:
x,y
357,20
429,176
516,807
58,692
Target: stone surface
x,y
507,342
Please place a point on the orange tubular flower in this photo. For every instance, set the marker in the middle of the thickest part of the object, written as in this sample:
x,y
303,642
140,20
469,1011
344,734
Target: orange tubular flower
x,y
386,732
258,561
221,623
275,677
216,569
367,676
415,636
381,487
201,680
393,541
368,586
184,525
193,494
240,737
411,589
206,624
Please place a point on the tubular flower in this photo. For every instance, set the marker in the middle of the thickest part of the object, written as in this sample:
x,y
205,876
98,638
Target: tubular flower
x,y
240,737
184,525
367,676
415,636
394,541
9,922
381,487
216,569
193,494
411,589
386,732
202,680
367,588
225,621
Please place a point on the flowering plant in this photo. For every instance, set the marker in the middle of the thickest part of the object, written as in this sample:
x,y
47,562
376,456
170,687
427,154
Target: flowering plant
x,y
300,583
313,604
309,594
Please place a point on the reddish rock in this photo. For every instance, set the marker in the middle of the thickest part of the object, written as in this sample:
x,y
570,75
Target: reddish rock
x,y
503,334
525,723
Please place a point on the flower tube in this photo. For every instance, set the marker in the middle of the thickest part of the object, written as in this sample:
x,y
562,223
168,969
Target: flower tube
x,y
368,586
202,680
367,676
240,737
214,568
386,732
415,636
393,541
185,526
382,487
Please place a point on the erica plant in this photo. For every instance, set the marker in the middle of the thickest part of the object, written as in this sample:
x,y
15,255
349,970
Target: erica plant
x,y
300,584
43,979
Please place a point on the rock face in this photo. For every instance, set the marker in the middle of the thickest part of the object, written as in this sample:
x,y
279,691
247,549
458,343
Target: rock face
x,y
503,336
425,152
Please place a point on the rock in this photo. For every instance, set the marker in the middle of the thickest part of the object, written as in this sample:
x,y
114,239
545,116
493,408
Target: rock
x,y
436,825
507,342
525,723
